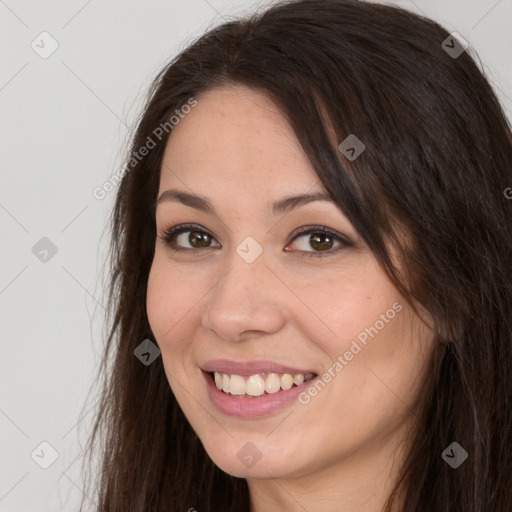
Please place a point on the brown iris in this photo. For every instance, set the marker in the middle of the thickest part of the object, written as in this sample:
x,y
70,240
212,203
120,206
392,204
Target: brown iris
x,y
317,243
202,239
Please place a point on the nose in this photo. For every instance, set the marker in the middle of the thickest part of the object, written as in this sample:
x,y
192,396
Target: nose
x,y
245,302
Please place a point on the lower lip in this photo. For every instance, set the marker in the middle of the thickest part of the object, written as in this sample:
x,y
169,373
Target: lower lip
x,y
242,406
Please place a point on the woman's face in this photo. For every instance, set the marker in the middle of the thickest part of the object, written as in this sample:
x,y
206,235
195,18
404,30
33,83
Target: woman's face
x,y
265,307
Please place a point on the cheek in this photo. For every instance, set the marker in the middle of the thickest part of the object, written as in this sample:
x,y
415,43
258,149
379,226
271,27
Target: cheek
x,y
348,307
172,302
381,367
371,344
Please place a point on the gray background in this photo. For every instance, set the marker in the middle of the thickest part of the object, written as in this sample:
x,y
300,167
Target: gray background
x,y
64,127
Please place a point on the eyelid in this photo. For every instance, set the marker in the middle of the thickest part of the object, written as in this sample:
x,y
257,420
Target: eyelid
x,y
321,229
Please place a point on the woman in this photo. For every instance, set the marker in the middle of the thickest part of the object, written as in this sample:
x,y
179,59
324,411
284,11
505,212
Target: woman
x,y
311,267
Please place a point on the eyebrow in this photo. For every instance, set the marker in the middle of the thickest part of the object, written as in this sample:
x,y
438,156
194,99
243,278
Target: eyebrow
x,y
281,206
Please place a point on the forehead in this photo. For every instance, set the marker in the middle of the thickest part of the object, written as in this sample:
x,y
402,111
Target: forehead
x,y
237,136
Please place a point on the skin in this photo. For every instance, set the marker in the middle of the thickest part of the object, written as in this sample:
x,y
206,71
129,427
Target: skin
x,y
340,451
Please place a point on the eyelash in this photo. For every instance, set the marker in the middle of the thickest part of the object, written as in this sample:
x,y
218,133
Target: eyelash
x,y
170,234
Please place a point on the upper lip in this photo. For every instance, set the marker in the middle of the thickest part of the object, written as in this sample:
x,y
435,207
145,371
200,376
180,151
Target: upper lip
x,y
248,368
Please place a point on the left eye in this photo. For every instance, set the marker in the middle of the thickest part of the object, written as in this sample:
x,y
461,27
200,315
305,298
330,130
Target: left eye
x,y
319,241
319,238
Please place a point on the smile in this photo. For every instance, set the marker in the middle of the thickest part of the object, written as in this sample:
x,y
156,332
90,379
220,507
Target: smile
x,y
252,389
259,384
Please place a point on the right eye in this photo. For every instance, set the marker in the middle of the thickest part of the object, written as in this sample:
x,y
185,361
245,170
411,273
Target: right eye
x,y
175,237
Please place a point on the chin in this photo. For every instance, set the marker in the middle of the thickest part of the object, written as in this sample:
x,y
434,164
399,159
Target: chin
x,y
256,458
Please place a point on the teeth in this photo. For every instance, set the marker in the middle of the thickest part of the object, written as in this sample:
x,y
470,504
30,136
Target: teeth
x,y
298,379
237,385
272,383
257,385
286,381
225,383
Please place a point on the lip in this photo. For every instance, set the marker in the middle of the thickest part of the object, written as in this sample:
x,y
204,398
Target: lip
x,y
254,407
248,368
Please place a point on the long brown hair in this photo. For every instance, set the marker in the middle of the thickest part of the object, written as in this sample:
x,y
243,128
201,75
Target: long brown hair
x,y
437,160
